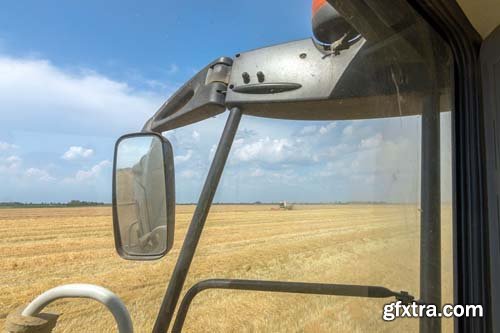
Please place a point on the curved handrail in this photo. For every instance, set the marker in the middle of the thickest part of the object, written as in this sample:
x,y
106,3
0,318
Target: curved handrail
x,y
100,294
284,287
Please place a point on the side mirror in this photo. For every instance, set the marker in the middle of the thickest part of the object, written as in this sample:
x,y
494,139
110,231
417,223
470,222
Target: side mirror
x,y
143,196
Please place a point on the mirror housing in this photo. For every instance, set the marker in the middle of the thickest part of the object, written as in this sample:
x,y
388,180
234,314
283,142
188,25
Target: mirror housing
x,y
143,196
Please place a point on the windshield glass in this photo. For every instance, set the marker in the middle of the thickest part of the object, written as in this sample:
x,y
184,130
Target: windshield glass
x,y
336,200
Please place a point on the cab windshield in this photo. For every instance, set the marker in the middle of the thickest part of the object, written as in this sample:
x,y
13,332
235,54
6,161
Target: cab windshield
x,y
359,193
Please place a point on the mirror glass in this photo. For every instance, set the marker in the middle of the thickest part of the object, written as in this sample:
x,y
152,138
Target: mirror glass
x,y
140,193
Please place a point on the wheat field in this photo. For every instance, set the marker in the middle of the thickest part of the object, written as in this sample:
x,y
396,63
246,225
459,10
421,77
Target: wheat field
x,y
41,248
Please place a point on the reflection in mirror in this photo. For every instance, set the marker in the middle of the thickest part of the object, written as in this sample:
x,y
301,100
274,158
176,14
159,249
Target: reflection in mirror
x,y
141,195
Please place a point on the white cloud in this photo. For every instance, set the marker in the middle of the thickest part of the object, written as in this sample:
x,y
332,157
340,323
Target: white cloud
x,y
267,150
10,164
39,174
257,172
338,150
348,130
190,174
353,154
183,158
372,142
213,149
75,152
13,159
7,146
309,130
93,172
325,129
172,69
245,133
61,101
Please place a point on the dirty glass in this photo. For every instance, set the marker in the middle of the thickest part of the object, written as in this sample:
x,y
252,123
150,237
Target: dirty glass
x,y
333,201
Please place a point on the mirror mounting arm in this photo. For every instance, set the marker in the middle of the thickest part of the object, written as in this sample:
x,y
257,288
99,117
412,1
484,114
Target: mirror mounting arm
x,y
202,97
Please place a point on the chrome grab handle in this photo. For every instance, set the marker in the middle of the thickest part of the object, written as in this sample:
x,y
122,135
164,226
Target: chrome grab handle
x,y
100,294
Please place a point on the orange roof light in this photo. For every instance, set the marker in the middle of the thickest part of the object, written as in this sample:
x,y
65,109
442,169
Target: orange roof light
x,y
316,5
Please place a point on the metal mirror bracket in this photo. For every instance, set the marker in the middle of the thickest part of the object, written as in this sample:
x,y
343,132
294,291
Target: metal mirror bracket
x,y
195,229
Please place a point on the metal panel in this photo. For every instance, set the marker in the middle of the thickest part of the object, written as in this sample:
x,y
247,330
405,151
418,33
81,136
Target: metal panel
x,y
300,62
490,67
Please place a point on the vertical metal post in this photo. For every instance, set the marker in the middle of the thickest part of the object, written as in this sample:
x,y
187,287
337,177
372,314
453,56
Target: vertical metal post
x,y
430,219
197,223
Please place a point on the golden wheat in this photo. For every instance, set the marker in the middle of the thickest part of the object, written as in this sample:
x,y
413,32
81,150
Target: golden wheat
x,y
358,244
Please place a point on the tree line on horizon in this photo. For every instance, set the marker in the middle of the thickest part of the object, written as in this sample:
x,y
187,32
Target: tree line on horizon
x,y
72,203
80,203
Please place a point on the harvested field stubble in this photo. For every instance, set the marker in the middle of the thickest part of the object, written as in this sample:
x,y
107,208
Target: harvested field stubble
x,y
350,244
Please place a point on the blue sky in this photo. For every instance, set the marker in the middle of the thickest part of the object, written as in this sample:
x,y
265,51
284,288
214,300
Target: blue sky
x,y
76,75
